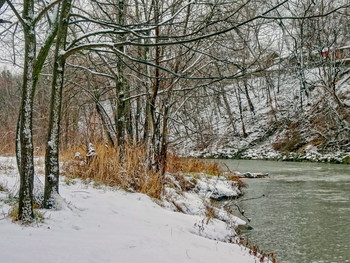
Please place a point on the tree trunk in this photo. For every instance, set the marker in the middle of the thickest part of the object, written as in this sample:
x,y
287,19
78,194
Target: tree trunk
x,y
106,122
25,206
240,107
52,146
228,110
122,109
18,140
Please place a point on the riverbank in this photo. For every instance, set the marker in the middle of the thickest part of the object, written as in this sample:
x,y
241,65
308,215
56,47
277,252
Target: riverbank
x,y
96,223
309,154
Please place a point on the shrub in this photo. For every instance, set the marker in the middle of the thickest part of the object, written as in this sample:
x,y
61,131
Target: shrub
x,y
292,141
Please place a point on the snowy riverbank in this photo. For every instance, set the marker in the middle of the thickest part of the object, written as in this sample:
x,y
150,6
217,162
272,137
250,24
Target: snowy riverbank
x,y
100,224
309,154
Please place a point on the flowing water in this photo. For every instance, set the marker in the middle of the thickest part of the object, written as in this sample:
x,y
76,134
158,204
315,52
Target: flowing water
x,y
305,214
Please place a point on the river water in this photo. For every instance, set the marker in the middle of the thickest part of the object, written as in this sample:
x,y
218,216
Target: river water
x,y
305,214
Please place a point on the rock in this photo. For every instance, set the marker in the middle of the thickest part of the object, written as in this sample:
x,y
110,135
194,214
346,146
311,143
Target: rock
x,y
245,227
252,175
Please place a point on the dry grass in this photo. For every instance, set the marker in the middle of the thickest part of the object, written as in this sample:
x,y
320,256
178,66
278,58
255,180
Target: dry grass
x,y
189,165
7,144
13,214
292,141
179,166
127,169
210,212
257,252
68,153
110,166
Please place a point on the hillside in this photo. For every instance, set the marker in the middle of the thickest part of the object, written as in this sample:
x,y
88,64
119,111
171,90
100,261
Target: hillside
x,y
272,117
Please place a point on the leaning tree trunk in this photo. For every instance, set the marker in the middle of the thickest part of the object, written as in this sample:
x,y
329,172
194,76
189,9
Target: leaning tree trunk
x,y
25,205
106,122
52,145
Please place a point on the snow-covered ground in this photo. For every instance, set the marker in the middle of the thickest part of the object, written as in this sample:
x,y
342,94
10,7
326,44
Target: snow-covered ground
x,y
107,225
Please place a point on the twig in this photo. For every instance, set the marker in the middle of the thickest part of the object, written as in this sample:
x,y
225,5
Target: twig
x,y
228,169
252,198
240,210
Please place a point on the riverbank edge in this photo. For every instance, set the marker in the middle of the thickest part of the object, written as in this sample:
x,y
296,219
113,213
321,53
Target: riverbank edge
x,y
331,158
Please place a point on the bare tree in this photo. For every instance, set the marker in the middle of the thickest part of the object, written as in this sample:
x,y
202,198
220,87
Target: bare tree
x,y
33,63
52,153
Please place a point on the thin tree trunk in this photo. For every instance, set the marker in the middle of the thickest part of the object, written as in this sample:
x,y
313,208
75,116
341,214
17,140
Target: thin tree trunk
x,y
106,123
18,140
239,100
123,111
228,110
164,142
52,147
246,92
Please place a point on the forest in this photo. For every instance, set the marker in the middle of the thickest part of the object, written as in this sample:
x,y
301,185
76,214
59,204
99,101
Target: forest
x,y
248,79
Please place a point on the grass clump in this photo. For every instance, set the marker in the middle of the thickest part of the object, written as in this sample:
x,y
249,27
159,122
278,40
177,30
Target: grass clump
x,y
13,214
210,212
189,165
125,168
196,168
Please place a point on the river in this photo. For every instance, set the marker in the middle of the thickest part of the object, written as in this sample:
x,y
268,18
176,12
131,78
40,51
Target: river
x,y
305,214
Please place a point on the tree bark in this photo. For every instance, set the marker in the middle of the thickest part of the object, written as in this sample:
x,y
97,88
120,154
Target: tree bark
x,y
25,206
52,145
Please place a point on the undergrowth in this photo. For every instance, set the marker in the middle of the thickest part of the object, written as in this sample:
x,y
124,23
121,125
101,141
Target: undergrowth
x,y
113,167
189,165
178,166
257,252
127,169
13,214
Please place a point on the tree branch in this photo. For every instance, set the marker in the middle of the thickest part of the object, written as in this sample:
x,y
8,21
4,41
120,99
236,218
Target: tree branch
x,y
14,10
44,11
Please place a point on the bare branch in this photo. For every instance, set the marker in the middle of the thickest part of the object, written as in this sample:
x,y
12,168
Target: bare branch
x,y
45,10
14,10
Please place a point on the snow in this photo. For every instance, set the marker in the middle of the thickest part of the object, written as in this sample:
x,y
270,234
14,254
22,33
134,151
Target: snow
x,y
216,188
108,225
205,190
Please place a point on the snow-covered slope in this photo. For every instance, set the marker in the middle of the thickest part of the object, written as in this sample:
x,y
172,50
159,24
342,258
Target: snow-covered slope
x,y
106,225
269,117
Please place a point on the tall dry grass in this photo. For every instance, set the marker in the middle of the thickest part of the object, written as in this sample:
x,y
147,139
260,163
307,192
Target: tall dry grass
x,y
7,142
125,168
182,165
190,165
